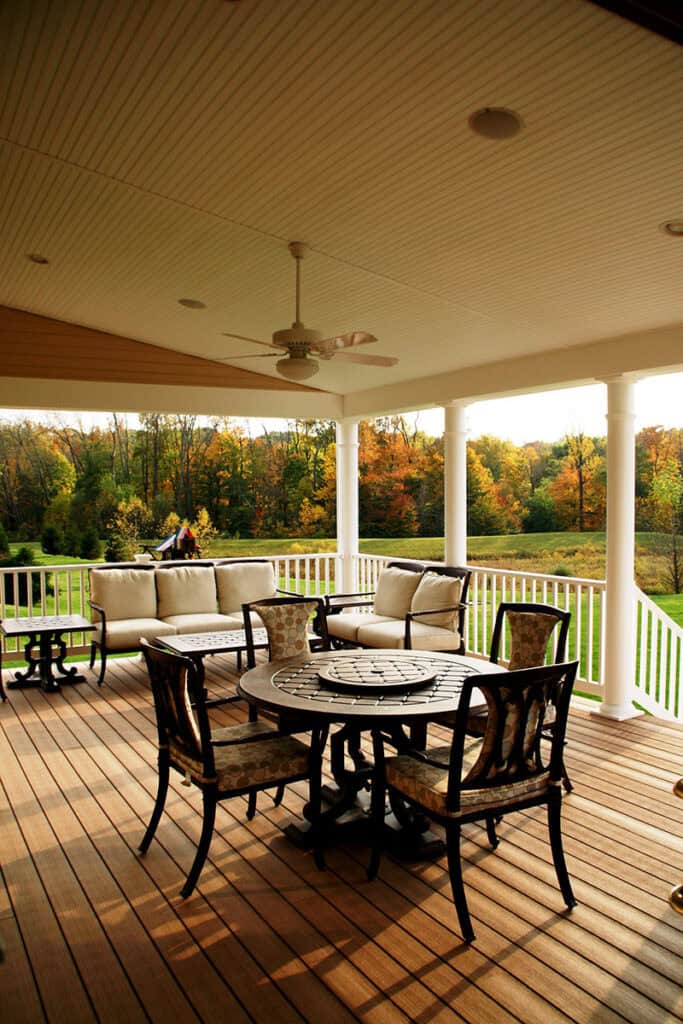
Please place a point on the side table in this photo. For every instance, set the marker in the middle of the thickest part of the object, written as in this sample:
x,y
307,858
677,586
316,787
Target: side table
x,y
45,650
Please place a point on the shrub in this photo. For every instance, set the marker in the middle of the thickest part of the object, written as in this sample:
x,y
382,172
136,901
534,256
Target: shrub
x,y
52,540
23,557
4,543
120,548
72,541
91,546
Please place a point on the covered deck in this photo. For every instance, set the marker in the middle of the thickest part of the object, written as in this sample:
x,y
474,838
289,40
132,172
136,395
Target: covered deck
x,y
95,933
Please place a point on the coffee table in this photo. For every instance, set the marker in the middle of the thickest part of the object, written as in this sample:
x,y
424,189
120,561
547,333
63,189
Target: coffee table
x,y
225,641
45,649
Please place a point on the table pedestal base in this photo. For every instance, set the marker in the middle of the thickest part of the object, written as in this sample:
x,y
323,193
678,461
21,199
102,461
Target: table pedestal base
x,y
346,816
41,659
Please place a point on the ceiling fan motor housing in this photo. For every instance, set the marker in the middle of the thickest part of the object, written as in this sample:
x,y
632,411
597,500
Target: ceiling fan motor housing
x,y
297,336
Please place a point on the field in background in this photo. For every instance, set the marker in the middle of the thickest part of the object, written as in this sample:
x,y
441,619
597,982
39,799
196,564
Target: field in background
x,y
564,554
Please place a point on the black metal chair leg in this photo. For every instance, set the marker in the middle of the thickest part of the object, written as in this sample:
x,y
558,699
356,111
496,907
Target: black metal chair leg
x,y
103,665
457,885
566,781
93,652
162,790
318,741
279,793
491,832
209,800
251,805
555,830
377,805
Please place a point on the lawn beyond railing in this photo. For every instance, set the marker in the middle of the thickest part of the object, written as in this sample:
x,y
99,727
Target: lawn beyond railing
x,y
45,590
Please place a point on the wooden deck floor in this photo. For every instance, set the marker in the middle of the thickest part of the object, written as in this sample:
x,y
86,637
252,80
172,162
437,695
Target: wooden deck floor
x,y
94,932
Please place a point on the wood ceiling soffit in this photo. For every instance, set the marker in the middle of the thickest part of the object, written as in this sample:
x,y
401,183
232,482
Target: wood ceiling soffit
x,y
35,346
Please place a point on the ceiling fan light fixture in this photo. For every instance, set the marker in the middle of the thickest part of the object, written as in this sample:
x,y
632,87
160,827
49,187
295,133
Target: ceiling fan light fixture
x,y
297,367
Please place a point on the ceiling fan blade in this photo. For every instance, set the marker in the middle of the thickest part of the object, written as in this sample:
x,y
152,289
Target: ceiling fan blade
x,y
243,337
358,357
329,346
250,355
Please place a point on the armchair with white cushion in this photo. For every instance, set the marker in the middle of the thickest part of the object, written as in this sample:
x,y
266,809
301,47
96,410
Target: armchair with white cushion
x,y
415,606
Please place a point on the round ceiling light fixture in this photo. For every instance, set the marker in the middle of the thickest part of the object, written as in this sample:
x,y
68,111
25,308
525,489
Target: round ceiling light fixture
x,y
35,257
297,367
495,123
673,228
192,303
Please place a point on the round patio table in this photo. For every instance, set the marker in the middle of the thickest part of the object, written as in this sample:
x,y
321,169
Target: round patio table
x,y
380,691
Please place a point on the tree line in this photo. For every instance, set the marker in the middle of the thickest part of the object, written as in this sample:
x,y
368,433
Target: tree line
x,y
78,482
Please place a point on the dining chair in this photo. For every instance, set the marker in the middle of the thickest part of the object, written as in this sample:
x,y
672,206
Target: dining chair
x,y
288,623
531,627
474,778
230,761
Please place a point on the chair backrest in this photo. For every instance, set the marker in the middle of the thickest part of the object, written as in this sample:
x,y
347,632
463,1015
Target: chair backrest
x,y
531,627
287,622
511,750
125,590
182,720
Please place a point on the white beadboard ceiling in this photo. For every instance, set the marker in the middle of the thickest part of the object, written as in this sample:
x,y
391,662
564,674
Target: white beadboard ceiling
x,y
170,148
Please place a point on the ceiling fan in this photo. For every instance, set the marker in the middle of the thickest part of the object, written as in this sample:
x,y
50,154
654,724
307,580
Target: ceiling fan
x,y
299,342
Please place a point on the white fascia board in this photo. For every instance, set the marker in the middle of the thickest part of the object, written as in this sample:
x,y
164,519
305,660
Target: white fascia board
x,y
99,396
640,354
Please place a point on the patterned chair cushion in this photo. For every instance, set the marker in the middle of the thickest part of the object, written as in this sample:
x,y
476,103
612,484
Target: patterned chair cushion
x,y
260,762
529,635
435,591
287,626
427,784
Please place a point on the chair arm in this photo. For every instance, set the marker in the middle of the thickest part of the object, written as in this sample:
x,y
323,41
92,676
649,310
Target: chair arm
x,y
334,603
100,611
436,611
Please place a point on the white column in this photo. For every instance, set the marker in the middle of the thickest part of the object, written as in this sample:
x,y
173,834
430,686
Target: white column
x,y
347,506
620,612
455,483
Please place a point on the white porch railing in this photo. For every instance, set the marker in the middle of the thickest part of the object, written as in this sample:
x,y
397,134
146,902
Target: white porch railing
x,y
43,590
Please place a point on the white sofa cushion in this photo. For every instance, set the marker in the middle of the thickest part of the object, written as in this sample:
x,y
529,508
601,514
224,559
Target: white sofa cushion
x,y
242,583
436,591
395,589
124,593
423,638
345,626
204,622
184,590
124,634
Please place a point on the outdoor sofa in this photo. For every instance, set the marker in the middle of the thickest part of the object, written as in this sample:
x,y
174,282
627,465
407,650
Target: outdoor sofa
x,y
131,600
416,606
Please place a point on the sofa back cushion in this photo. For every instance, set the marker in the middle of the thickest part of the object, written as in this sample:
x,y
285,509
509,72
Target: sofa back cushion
x,y
242,583
395,589
124,593
435,591
185,590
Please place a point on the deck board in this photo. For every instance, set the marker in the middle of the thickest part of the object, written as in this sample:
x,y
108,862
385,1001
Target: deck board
x,y
94,932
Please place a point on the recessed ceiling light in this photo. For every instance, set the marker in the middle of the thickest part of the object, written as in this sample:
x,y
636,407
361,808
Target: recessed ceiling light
x,y
672,227
35,257
495,123
192,303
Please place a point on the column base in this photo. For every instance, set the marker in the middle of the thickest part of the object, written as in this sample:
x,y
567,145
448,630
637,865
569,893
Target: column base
x,y
618,712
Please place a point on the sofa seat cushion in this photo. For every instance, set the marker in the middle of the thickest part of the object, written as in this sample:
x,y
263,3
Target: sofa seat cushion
x,y
242,583
436,591
395,590
203,623
124,593
345,626
185,590
124,634
424,638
